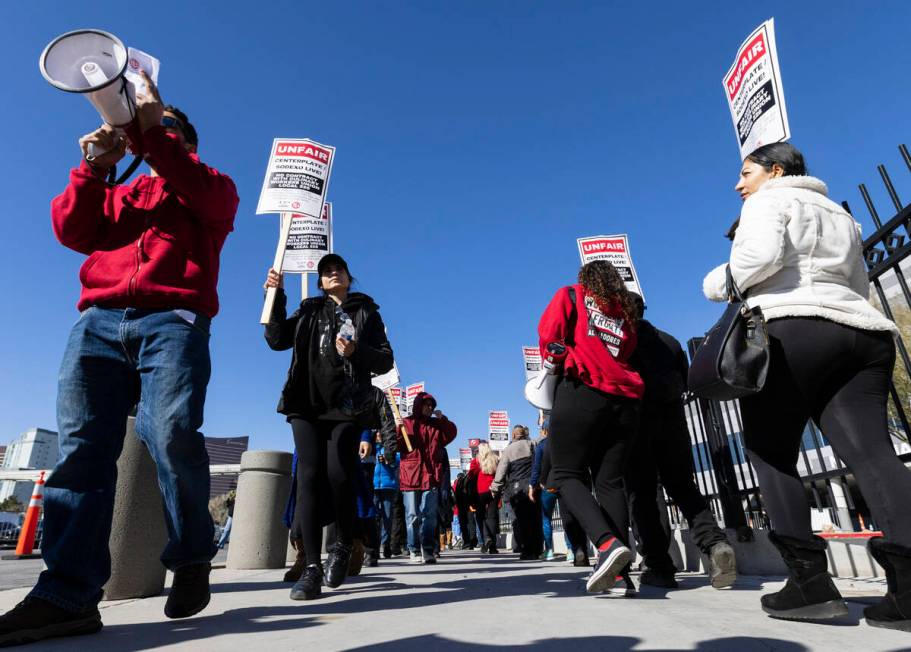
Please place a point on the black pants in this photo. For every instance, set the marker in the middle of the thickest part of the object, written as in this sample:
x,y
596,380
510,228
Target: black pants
x,y
327,462
527,527
591,433
663,448
839,377
572,529
397,531
466,524
488,515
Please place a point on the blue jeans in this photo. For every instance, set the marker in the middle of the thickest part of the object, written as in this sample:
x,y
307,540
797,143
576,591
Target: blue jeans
x,y
226,533
384,499
114,358
548,503
421,518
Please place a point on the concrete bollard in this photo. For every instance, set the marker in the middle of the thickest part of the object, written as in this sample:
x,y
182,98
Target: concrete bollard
x,y
138,532
259,538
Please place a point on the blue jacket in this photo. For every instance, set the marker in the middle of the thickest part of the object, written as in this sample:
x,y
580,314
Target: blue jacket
x,y
386,476
536,478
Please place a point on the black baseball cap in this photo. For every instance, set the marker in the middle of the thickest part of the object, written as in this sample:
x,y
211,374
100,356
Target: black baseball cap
x,y
332,259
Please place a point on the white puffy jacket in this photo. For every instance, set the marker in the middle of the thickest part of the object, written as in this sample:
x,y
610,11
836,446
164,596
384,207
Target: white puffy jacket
x,y
797,253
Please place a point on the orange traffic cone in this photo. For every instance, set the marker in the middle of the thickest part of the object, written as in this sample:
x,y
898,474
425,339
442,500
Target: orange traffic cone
x,y
32,516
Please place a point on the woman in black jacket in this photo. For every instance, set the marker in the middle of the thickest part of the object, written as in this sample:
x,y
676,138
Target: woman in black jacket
x,y
338,341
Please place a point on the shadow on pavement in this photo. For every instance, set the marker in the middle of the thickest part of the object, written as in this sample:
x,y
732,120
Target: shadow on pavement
x,y
613,643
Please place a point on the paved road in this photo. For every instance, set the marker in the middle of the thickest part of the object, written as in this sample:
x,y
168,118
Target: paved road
x,y
469,601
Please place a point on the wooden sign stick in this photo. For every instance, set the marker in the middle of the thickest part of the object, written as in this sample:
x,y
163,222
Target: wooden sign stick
x,y
400,420
277,266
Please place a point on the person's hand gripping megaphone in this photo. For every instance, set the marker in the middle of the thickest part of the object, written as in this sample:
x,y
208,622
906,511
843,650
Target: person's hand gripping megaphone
x,y
105,139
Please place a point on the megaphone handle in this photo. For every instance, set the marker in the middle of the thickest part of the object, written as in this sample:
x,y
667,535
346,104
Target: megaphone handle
x,y
93,151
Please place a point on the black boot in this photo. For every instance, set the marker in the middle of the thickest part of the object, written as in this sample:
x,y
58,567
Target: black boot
x,y
35,619
335,568
189,591
356,559
809,593
300,562
894,610
310,585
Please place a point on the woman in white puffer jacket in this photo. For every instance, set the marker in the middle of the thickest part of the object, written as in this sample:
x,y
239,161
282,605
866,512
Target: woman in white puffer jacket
x,y
798,255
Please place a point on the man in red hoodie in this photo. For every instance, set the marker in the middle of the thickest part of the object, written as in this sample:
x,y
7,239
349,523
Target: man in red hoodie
x,y
148,295
420,475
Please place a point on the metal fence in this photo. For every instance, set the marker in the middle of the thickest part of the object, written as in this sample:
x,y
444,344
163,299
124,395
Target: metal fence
x,y
722,468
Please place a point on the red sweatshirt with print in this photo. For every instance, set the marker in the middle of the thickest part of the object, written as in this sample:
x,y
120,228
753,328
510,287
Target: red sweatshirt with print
x,y
599,346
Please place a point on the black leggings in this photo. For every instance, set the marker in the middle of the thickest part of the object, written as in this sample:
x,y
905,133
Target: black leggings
x,y
663,447
326,463
488,514
839,377
592,432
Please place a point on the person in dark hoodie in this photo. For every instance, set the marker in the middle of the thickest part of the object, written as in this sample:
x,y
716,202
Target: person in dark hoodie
x,y
419,473
338,340
662,448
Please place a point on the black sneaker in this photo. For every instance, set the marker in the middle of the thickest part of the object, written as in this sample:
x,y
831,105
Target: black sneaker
x,y
35,619
580,559
661,579
310,585
387,552
611,560
335,568
189,591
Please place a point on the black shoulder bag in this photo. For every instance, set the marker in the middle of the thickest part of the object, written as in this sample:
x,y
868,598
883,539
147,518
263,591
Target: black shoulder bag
x,y
733,359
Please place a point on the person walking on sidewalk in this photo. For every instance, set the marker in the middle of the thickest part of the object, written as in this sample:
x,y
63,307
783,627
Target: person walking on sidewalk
x,y
541,492
337,340
663,448
148,297
419,476
513,479
481,472
589,331
385,488
798,256
225,537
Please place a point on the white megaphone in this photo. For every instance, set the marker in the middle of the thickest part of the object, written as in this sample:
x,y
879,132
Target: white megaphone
x,y
92,62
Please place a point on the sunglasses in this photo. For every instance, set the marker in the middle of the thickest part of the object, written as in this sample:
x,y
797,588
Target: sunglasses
x,y
171,123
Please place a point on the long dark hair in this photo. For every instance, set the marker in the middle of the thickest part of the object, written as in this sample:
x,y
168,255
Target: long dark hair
x,y
784,154
602,281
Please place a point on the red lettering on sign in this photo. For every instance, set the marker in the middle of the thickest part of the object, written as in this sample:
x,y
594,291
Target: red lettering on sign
x,y
303,149
595,246
746,58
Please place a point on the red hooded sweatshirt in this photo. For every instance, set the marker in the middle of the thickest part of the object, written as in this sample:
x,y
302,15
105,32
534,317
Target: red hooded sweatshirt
x,y
418,469
154,243
599,347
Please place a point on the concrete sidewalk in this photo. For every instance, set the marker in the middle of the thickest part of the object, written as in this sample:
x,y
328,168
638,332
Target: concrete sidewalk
x,y
470,601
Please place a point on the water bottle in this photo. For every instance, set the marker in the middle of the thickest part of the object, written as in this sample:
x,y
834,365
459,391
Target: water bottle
x,y
346,332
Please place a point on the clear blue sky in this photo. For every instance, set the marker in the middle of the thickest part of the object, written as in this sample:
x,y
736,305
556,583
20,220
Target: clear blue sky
x,y
476,141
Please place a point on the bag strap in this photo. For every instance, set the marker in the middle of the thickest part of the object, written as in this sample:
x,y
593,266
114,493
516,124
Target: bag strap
x,y
733,291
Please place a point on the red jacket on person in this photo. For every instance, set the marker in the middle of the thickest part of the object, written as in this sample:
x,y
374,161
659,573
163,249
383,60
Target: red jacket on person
x,y
154,243
484,479
598,348
419,470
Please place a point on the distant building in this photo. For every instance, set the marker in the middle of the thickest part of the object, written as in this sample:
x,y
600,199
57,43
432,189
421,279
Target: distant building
x,y
2,455
225,450
34,449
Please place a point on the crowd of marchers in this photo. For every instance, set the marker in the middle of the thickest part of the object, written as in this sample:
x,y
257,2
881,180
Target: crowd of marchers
x,y
616,428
